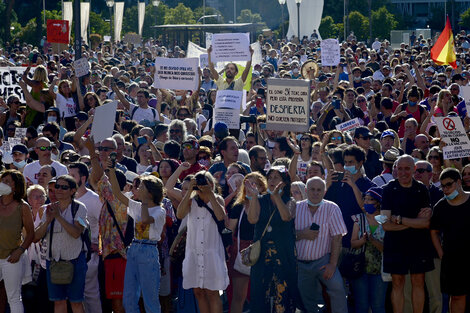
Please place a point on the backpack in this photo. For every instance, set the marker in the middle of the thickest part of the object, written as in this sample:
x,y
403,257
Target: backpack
x,y
135,109
86,235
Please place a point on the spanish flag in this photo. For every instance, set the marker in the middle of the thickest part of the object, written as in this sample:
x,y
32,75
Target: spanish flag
x,y
443,51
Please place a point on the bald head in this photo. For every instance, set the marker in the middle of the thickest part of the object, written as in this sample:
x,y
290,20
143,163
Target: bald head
x,y
43,142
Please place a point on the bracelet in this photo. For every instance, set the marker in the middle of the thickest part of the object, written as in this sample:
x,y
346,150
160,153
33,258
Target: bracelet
x,y
22,249
398,219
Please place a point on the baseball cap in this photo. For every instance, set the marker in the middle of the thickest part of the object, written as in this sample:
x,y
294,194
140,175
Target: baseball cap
x,y
220,130
375,192
362,131
19,148
387,133
429,69
81,116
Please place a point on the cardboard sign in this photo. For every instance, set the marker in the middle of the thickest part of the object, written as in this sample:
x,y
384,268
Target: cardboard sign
x,y
176,73
20,132
103,121
349,125
330,53
229,99
288,105
58,31
9,78
81,66
453,134
230,117
230,47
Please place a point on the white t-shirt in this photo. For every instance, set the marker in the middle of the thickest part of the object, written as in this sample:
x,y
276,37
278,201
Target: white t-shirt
x,y
31,170
66,106
93,205
143,114
302,167
157,212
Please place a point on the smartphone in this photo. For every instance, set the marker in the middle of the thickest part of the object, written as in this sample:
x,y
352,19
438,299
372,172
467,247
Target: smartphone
x,y
141,140
314,226
113,156
412,58
339,176
260,92
262,126
201,180
336,103
259,102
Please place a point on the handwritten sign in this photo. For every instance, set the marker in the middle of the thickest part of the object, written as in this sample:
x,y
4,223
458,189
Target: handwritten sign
x,y
288,105
230,99
349,125
453,134
230,117
81,66
20,132
230,47
176,73
58,31
329,52
9,78
203,60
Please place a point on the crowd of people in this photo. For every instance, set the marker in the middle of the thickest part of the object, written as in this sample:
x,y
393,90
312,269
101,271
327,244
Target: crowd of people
x,y
175,207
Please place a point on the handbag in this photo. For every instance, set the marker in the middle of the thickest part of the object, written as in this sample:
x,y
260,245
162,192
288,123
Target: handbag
x,y
238,265
178,247
353,264
250,254
61,271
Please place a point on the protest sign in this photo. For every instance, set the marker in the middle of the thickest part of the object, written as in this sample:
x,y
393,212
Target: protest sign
x,y
20,132
465,92
81,66
14,141
106,38
230,47
103,121
230,117
453,133
329,52
176,73
349,125
288,105
203,60
9,79
229,99
208,39
58,31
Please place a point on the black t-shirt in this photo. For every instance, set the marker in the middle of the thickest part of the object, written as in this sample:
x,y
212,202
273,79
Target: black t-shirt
x,y
407,202
454,224
246,229
131,164
372,165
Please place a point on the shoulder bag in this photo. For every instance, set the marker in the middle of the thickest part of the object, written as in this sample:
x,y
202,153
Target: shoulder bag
x,y
353,264
61,271
238,265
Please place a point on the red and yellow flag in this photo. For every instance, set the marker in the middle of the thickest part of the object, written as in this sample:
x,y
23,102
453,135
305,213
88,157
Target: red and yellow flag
x,y
443,51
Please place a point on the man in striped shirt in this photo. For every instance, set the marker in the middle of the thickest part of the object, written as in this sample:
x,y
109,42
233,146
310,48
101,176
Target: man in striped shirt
x,y
319,229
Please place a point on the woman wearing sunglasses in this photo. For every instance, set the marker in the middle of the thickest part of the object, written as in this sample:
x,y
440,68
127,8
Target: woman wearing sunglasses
x,y
336,137
67,219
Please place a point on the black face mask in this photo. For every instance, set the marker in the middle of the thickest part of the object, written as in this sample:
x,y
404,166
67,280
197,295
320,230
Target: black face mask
x,y
51,139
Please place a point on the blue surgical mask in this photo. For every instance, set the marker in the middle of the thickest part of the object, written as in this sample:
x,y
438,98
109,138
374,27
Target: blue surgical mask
x,y
314,204
412,103
178,98
19,164
453,195
370,208
51,119
350,168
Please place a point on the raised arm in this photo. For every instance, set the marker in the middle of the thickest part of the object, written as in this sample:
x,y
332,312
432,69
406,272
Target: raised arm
x,y
115,186
171,182
214,73
121,98
79,93
30,101
248,66
185,204
97,171
78,136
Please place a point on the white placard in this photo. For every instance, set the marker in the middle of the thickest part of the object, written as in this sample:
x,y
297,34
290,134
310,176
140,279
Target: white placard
x,y
465,92
9,78
229,99
20,132
230,47
106,38
230,117
376,45
453,134
14,141
203,60
330,52
349,125
208,39
288,105
176,73
103,121
81,66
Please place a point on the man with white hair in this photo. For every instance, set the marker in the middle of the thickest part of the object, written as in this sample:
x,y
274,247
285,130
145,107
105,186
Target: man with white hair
x,y
407,243
319,229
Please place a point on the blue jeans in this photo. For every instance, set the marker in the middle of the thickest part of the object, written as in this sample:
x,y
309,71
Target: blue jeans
x,y
369,291
309,274
142,275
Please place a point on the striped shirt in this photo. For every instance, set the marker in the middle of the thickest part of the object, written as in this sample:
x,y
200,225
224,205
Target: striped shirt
x,y
331,222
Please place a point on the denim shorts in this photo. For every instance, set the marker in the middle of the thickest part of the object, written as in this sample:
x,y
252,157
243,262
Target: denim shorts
x,y
74,292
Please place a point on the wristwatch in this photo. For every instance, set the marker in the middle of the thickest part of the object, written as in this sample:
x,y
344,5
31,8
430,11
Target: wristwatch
x,y
398,220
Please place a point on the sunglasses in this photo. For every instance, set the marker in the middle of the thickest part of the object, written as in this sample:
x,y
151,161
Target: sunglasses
x,y
361,100
45,148
304,138
422,170
188,147
63,187
337,138
435,157
447,185
105,149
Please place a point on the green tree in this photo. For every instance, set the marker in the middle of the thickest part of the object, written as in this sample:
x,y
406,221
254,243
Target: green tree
x,y
180,15
27,33
98,25
247,17
328,28
359,24
154,17
465,19
382,23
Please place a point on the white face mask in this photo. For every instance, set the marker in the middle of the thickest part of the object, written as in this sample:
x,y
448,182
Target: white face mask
x,y
295,71
51,119
4,189
54,156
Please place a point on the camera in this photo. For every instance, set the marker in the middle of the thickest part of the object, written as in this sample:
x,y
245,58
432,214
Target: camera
x,y
248,119
113,156
201,180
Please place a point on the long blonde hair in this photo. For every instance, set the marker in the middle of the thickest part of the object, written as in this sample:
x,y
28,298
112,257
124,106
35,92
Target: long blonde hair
x,y
260,180
40,74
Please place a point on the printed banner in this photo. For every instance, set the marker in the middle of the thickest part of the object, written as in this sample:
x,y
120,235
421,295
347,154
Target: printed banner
x,y
176,73
349,125
329,52
230,47
230,117
9,78
288,105
58,31
229,99
453,134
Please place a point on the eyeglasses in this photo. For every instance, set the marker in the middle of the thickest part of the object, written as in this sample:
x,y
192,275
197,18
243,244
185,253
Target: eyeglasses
x,y
361,100
175,131
422,170
45,148
105,149
443,186
337,138
435,157
63,187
